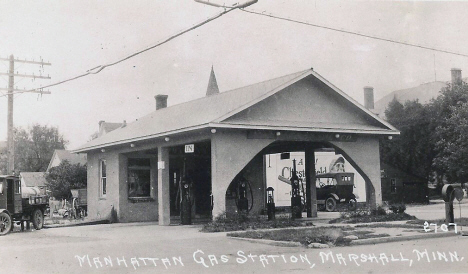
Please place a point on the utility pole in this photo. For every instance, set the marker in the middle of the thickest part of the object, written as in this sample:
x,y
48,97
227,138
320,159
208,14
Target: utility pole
x,y
11,91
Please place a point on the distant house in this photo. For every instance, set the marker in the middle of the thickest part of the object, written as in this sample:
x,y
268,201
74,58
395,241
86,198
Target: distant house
x,y
61,155
34,179
400,186
424,93
106,127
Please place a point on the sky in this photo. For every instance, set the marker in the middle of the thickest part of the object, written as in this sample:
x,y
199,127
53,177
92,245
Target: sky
x,y
77,35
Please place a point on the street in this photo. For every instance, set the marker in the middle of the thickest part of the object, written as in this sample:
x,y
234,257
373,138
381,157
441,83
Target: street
x,y
147,247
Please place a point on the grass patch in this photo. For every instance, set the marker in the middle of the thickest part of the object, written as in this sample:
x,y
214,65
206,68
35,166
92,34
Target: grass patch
x,y
389,225
380,214
245,222
374,218
304,236
325,235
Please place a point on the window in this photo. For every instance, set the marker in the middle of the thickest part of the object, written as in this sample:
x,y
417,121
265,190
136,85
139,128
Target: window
x,y
103,178
393,185
1,187
139,178
17,187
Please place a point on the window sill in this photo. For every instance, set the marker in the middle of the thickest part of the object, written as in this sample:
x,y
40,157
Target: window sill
x,y
140,199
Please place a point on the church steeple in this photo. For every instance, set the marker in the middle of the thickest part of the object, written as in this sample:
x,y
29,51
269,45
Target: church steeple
x,y
212,84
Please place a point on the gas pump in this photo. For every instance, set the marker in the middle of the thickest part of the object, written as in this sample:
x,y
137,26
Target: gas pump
x,y
185,186
296,205
243,186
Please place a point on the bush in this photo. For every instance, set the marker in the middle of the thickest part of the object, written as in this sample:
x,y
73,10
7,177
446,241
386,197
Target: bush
x,y
398,208
380,211
380,214
359,212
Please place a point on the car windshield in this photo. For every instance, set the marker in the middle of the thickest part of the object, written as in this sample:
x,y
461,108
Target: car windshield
x,y
321,182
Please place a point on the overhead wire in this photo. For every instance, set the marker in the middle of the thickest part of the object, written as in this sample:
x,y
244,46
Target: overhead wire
x,y
352,32
100,68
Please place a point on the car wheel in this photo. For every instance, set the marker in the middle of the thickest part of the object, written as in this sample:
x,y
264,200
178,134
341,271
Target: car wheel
x,y
38,219
330,204
5,223
352,204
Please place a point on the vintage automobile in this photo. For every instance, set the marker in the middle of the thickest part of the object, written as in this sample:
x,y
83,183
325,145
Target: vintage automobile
x,y
335,188
20,204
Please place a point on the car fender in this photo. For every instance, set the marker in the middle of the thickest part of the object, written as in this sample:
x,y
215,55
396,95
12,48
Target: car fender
x,y
334,196
4,210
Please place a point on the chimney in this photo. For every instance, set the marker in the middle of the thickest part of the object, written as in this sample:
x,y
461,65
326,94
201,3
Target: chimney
x,y
100,123
212,84
161,101
369,97
456,76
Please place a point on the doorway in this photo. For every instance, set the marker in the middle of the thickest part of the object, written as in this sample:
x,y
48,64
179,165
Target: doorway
x,y
196,166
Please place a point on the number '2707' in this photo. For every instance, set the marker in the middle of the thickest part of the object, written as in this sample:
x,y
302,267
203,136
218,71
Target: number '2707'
x,y
443,227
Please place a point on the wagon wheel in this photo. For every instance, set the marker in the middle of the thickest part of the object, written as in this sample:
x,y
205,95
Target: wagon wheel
x,y
330,204
5,223
352,204
37,219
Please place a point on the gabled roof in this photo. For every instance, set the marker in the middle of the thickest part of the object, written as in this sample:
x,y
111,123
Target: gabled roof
x,y
62,155
106,127
32,179
213,110
423,93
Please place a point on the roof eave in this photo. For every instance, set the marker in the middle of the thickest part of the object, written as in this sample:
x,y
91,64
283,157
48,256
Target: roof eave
x,y
138,139
305,129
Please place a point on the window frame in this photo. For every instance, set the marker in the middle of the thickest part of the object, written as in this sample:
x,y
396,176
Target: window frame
x,y
17,185
140,168
102,179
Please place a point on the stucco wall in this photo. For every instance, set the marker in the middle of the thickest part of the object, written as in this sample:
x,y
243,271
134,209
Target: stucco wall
x,y
253,173
364,155
231,151
100,207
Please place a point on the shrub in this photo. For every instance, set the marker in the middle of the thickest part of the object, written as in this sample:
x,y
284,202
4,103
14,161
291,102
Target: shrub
x,y
398,208
380,211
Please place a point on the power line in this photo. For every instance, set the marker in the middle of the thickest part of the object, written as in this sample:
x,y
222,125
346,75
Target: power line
x,y
100,68
353,33
11,82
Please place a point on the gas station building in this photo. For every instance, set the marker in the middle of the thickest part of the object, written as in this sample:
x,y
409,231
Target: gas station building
x,y
217,139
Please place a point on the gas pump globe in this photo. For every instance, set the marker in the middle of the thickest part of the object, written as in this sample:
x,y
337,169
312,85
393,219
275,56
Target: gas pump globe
x,y
270,203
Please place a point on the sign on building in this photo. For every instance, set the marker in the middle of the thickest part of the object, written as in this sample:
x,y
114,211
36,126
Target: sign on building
x,y
190,148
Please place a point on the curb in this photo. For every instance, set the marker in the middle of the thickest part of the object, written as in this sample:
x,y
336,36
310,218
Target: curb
x,y
269,242
402,238
97,222
354,242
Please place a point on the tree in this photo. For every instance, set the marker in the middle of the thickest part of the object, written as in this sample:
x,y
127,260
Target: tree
x,y
34,147
451,131
413,150
64,177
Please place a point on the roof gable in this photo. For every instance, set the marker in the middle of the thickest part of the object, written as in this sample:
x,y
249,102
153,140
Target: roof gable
x,y
61,155
188,115
32,179
311,102
215,110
